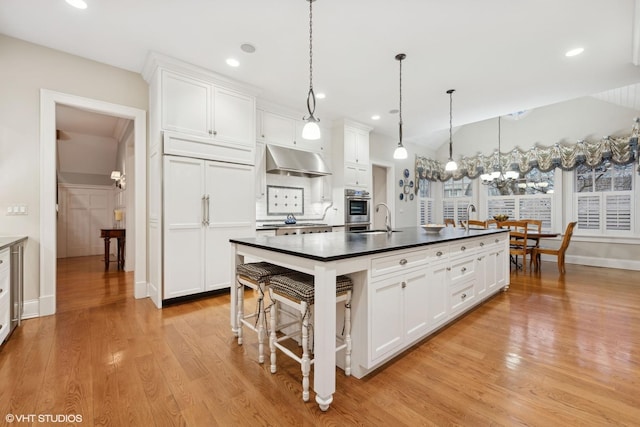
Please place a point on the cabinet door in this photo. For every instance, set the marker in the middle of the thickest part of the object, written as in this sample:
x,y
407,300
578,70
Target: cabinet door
x,y
230,214
485,272
356,176
356,146
186,105
385,326
261,170
233,116
416,295
438,285
277,129
183,226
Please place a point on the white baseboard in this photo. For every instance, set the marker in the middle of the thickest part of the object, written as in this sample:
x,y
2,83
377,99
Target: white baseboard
x,y
141,290
31,309
622,264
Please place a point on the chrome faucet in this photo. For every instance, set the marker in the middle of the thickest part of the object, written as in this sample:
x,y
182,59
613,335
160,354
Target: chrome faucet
x,y
470,208
387,219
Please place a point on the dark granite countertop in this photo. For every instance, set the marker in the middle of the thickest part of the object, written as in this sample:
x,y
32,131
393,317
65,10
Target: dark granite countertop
x,y
6,241
336,246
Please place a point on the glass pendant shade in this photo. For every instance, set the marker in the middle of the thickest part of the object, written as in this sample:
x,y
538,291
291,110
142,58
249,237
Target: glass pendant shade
x,y
311,130
451,166
400,153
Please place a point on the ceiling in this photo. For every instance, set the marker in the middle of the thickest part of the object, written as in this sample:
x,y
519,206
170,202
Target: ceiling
x,y
501,56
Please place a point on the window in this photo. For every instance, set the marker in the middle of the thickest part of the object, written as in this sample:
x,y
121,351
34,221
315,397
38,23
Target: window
x,y
604,198
529,198
425,202
457,197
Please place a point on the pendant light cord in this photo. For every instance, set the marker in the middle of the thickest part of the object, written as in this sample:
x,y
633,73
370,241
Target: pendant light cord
x,y
400,109
311,45
450,123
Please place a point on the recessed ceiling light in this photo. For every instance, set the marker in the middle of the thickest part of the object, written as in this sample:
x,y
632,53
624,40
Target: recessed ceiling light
x,y
574,52
321,95
233,62
79,4
247,47
375,117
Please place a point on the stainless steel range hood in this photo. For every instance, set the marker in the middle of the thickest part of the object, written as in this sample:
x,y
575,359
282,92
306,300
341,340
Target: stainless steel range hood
x,y
287,161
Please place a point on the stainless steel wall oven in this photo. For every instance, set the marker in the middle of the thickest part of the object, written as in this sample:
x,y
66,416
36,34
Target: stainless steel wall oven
x,y
357,210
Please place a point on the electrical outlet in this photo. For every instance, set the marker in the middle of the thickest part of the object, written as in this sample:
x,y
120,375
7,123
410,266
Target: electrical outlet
x,y
16,209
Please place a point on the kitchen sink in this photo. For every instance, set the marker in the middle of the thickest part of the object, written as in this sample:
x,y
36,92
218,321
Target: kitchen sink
x,y
380,231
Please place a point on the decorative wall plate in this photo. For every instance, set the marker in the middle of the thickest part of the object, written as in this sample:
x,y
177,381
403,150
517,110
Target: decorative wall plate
x,y
401,183
406,173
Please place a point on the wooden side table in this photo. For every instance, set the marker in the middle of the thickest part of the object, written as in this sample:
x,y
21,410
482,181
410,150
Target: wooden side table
x,y
107,234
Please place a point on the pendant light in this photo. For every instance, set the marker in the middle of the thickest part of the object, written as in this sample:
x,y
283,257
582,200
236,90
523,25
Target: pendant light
x,y
401,152
451,165
311,130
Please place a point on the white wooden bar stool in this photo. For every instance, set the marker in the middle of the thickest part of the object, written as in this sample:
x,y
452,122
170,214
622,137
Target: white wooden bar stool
x,y
255,276
296,291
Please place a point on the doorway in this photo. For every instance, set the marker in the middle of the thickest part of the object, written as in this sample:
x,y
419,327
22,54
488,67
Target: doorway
x,y
382,192
48,184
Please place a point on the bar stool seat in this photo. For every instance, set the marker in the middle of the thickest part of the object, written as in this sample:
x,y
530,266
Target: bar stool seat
x,y
296,290
256,276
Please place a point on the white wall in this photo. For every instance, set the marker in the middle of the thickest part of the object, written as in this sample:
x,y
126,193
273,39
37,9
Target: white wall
x,y
566,122
27,68
381,149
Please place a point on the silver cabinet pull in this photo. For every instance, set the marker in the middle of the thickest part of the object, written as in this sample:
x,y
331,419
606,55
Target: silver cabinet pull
x,y
403,261
204,214
439,253
213,132
497,240
481,244
463,296
208,208
404,285
480,258
448,268
1,290
463,248
463,269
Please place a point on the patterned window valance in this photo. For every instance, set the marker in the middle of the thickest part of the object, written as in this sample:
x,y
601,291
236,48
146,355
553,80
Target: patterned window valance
x,y
620,151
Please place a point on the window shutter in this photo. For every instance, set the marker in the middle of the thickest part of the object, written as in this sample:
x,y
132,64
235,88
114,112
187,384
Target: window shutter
x,y
426,211
589,212
536,207
502,205
448,209
618,212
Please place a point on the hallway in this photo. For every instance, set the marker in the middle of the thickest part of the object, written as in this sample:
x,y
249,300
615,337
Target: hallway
x,y
83,283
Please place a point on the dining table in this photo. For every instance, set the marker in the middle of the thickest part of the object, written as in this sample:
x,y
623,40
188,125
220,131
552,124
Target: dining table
x,y
535,236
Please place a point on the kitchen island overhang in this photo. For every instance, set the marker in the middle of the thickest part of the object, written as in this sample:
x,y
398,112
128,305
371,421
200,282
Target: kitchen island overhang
x,y
428,279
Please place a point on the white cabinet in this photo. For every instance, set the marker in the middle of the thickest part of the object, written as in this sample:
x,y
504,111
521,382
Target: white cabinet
x,y
350,148
205,204
212,113
5,298
398,298
356,145
261,170
356,176
286,130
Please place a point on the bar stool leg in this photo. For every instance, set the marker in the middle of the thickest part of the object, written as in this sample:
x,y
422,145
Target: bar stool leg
x,y
272,335
306,360
347,336
261,320
240,298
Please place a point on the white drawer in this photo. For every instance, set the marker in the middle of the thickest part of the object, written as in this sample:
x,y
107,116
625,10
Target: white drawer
x,y
461,296
462,268
463,247
5,315
395,263
438,253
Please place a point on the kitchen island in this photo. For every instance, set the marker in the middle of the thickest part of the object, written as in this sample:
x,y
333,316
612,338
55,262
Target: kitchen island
x,y
407,284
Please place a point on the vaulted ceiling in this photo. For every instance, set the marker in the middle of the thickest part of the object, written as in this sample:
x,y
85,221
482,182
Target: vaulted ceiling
x,y
501,56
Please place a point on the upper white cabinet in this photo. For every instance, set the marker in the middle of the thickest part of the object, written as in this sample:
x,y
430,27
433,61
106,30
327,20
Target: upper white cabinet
x,y
351,149
203,109
286,130
356,145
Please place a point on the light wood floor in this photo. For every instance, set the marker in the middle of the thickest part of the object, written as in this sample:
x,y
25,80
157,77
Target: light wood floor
x,y
549,352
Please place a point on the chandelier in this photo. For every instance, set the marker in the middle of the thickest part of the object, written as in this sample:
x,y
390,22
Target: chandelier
x,y
497,178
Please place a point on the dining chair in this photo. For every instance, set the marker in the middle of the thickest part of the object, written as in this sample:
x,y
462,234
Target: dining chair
x,y
560,251
518,244
448,222
491,223
535,226
474,223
